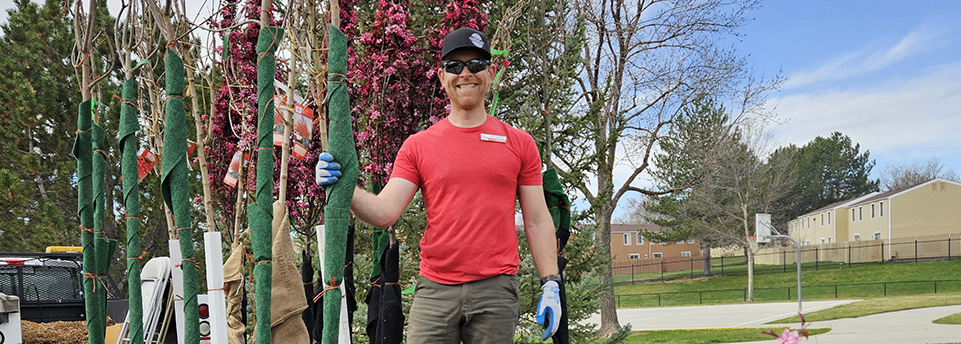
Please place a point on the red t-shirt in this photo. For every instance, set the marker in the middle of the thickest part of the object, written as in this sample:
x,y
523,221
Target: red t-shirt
x,y
469,178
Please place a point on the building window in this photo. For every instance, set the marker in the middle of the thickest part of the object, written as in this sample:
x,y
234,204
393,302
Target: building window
x,y
685,253
627,239
809,222
822,240
882,209
857,237
657,255
634,256
680,241
809,242
872,210
852,214
690,241
640,239
877,235
829,240
829,218
822,219
860,213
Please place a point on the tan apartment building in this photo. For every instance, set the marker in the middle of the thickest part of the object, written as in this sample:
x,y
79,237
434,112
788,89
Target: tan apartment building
x,y
627,244
823,226
922,210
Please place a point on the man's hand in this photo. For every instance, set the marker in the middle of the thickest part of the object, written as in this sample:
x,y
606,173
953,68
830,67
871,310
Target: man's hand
x,y
327,170
549,309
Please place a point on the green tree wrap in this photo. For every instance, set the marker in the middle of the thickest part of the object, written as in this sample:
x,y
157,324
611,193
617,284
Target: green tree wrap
x,y
127,136
260,214
380,240
339,195
175,187
99,164
557,201
82,151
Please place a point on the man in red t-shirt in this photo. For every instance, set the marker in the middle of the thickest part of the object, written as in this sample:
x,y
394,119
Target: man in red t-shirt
x,y
471,168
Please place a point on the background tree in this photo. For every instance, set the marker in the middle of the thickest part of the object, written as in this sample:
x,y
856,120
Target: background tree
x,y
691,151
738,185
894,177
38,96
829,170
643,63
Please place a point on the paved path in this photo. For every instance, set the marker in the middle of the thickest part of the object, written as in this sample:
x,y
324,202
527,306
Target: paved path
x,y
910,326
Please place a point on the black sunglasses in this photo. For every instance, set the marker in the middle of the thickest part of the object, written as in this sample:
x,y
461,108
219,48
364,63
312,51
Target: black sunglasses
x,y
474,66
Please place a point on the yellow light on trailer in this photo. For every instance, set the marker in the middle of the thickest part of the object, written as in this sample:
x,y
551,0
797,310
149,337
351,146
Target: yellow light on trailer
x,y
64,249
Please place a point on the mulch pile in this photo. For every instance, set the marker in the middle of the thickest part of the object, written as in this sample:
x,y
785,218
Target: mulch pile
x,y
57,332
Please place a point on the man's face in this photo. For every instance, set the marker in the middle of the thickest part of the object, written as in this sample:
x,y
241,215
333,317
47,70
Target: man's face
x,y
466,90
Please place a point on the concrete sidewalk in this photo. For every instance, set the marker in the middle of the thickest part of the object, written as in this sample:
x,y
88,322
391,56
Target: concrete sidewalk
x,y
911,326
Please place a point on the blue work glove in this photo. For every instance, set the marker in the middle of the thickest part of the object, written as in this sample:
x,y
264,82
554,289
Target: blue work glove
x,y
549,309
327,170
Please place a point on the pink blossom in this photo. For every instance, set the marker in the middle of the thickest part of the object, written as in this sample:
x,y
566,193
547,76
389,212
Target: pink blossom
x,y
791,337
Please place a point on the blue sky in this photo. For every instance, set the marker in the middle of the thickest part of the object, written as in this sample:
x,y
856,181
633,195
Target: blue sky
x,y
885,73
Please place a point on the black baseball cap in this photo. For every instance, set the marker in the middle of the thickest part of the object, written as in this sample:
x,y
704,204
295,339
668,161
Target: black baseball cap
x,y
466,38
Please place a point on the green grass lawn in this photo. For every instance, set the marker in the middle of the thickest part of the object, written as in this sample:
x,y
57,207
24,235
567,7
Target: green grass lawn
x,y
953,319
876,306
781,286
718,335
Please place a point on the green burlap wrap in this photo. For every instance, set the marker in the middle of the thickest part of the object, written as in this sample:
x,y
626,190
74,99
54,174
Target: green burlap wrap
x,y
127,136
175,187
339,195
557,201
82,151
380,239
260,214
99,141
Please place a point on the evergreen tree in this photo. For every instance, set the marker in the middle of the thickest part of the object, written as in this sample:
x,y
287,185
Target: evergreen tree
x,y
829,170
38,112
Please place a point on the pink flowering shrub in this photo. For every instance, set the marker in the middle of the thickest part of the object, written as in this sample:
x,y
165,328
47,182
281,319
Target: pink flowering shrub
x,y
789,336
389,104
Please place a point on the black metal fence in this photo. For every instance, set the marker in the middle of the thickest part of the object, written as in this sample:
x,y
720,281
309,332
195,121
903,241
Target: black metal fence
x,y
844,290
782,259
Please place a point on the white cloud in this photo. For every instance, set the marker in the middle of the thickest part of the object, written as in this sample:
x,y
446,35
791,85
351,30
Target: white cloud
x,y
863,61
893,117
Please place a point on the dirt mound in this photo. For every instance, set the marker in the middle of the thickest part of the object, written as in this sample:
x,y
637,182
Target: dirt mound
x,y
57,332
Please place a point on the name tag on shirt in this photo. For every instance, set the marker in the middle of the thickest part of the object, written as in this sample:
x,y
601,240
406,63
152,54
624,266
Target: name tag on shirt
x,y
493,138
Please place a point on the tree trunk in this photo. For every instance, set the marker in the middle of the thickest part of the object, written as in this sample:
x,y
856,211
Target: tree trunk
x,y
609,322
706,256
750,274
110,221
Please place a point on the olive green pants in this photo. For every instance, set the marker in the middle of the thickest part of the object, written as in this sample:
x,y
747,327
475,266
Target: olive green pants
x,y
479,312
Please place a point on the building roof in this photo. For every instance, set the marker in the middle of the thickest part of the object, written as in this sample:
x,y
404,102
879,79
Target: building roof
x,y
626,228
840,204
897,192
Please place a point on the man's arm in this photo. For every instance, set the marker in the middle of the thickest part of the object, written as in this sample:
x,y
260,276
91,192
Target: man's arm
x,y
383,209
539,228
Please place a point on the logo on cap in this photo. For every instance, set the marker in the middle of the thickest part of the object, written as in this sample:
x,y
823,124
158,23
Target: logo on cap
x,y
477,40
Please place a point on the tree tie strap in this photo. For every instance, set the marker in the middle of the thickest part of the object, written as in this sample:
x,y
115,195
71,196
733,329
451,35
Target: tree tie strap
x,y
142,255
342,78
126,101
327,287
85,229
186,260
98,278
